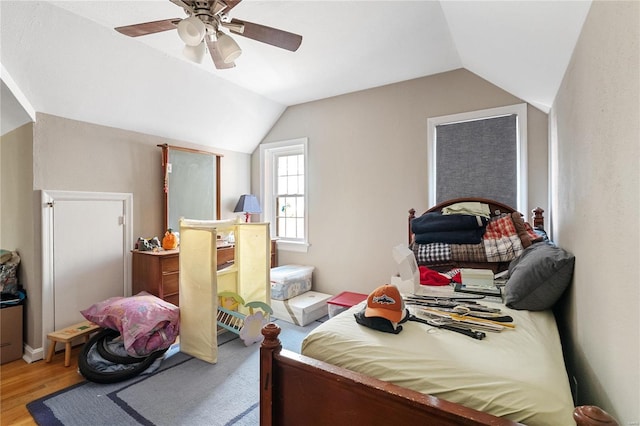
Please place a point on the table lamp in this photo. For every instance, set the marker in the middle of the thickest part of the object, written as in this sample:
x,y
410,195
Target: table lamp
x,y
248,204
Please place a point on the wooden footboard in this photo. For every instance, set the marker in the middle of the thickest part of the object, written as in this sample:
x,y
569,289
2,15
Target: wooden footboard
x,y
295,390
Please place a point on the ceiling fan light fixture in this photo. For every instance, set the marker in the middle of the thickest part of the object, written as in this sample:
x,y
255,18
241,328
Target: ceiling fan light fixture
x,y
229,49
192,30
195,53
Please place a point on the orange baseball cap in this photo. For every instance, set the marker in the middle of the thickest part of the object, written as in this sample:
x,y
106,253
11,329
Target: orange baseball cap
x,y
386,302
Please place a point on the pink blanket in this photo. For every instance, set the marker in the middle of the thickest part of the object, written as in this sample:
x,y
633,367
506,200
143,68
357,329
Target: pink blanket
x,y
146,322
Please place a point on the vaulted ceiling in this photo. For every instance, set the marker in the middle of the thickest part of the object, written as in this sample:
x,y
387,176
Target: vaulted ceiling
x,y
64,58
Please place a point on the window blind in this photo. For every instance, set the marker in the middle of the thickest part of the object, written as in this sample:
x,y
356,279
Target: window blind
x,y
478,158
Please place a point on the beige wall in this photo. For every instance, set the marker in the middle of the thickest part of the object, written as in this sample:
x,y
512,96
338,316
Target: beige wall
x,y
17,230
368,167
71,155
595,123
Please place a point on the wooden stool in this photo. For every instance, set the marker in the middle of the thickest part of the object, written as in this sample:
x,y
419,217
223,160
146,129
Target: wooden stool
x,y
66,335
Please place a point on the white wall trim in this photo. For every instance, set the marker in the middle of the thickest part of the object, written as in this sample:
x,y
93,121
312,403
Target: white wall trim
x,y
48,199
30,355
17,93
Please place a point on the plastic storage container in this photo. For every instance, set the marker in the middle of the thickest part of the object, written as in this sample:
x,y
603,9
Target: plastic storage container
x,y
303,309
344,301
289,281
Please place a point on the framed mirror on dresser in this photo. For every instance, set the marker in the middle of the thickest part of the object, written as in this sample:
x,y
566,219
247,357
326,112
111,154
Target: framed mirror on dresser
x,y
191,186
191,189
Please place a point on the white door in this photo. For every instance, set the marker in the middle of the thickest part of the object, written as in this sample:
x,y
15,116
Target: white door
x,y
86,245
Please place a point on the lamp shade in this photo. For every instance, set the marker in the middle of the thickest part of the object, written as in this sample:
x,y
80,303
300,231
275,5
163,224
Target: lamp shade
x,y
229,49
194,53
248,204
191,30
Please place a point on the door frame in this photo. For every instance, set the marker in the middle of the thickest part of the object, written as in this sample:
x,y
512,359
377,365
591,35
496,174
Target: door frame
x,y
49,199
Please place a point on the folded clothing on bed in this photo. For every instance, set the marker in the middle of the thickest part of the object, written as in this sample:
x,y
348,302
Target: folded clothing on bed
x,y
503,239
434,253
468,207
462,236
469,252
437,222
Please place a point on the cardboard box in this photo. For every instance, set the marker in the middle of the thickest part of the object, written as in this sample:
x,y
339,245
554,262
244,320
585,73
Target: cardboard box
x,y
11,334
344,301
302,309
289,281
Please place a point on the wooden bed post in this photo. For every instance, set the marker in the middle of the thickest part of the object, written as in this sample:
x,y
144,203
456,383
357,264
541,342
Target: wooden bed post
x,y
271,345
412,215
538,218
590,415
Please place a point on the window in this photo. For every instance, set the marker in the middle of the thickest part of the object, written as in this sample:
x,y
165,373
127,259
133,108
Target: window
x,y
284,191
479,154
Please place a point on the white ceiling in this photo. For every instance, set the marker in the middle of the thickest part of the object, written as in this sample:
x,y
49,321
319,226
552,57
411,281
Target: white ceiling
x,y
64,58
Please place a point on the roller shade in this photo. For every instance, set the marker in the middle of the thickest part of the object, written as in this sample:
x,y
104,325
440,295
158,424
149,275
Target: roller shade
x,y
478,158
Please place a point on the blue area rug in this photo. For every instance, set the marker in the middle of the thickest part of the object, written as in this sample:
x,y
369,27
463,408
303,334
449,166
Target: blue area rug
x,y
183,391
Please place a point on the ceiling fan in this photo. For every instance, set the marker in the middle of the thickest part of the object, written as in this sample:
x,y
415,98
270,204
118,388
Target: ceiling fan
x,y
202,27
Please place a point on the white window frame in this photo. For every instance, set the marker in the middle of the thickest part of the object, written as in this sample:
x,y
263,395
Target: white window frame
x,y
268,154
520,110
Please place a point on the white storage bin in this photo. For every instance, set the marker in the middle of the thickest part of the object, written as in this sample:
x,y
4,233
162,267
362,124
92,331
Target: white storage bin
x,y
290,281
303,309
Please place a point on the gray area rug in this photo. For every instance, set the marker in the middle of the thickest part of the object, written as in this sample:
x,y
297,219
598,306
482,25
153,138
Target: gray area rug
x,y
183,391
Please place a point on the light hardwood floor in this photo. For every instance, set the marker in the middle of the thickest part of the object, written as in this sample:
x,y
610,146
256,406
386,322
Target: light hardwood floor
x,y
21,383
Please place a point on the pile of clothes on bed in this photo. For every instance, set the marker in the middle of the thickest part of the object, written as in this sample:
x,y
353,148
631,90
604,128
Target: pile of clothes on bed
x,y
467,232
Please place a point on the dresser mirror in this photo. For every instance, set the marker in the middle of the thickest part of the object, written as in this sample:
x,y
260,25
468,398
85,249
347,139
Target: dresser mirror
x,y
191,185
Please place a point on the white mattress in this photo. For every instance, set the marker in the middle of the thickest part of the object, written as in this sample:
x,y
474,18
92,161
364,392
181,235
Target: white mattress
x,y
518,374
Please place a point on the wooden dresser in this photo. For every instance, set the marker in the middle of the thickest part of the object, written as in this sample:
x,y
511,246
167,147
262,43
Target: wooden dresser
x,y
158,273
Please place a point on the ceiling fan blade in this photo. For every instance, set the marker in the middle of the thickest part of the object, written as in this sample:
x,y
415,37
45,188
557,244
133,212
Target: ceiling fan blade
x,y
216,56
264,34
145,28
182,4
230,4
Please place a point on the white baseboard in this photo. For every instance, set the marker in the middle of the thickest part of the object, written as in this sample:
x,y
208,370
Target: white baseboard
x,y
32,355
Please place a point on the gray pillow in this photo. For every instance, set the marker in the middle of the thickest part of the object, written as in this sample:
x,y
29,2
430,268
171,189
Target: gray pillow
x,y
538,277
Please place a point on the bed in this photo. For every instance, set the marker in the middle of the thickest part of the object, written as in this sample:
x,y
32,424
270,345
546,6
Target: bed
x,y
423,375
